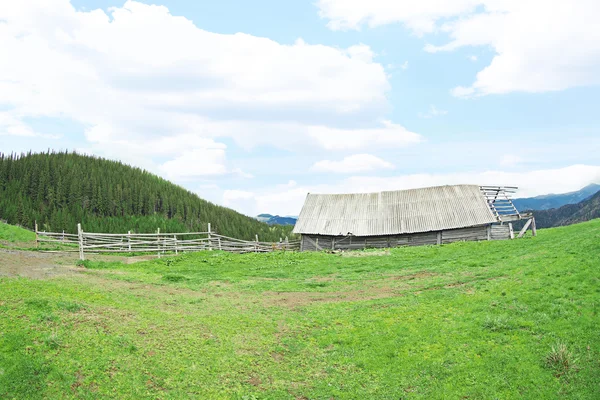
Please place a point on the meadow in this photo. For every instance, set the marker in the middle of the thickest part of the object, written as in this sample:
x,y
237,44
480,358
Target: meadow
x,y
478,320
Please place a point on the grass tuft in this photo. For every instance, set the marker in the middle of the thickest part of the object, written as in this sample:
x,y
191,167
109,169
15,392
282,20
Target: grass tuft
x,y
38,303
70,306
497,324
560,359
47,317
53,341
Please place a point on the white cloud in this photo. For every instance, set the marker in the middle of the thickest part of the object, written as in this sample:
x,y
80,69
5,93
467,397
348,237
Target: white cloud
x,y
433,112
353,164
361,52
473,58
283,200
241,200
404,65
530,183
420,16
13,126
196,163
510,160
390,135
147,84
539,46
461,91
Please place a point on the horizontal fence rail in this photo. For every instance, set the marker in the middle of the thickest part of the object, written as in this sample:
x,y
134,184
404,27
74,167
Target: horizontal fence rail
x,y
160,243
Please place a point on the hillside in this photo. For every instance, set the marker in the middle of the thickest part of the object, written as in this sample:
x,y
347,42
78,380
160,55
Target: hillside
x,y
569,214
60,190
15,234
276,219
548,201
479,320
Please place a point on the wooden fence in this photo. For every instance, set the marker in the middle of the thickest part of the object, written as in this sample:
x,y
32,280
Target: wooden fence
x,y
159,243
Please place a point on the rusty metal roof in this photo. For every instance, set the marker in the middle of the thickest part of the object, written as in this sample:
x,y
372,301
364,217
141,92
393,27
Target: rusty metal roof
x,y
396,212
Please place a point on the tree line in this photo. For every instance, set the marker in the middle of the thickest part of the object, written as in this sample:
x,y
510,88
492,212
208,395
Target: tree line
x,y
61,189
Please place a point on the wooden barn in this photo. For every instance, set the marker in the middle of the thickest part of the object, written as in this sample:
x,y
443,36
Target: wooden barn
x,y
426,216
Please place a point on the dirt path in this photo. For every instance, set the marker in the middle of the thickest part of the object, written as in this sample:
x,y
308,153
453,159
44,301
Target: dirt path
x,y
44,265
36,265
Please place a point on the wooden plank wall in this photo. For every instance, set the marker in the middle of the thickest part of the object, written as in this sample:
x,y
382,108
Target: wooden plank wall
x,y
318,242
500,232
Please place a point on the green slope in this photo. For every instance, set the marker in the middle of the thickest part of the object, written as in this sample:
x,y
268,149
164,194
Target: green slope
x,y
490,320
60,190
15,234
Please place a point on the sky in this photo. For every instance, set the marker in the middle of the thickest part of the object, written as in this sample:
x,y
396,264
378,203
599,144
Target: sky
x,y
252,105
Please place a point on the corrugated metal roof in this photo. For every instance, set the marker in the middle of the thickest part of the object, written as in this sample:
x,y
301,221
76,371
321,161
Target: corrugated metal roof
x,y
396,212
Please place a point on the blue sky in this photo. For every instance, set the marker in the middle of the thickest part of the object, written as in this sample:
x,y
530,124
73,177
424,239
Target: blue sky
x,y
254,104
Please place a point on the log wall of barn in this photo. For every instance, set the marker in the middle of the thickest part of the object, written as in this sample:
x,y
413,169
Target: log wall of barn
x,y
500,232
485,232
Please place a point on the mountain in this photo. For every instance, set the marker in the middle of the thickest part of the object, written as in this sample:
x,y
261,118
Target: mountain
x,y
548,201
62,189
569,214
276,219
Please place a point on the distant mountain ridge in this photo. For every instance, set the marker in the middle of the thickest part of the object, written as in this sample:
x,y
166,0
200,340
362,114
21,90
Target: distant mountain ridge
x,y
548,201
276,219
569,214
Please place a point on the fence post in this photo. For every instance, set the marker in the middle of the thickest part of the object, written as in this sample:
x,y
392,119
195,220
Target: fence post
x,y
37,243
285,247
158,241
209,238
129,240
256,244
219,242
175,240
533,228
80,237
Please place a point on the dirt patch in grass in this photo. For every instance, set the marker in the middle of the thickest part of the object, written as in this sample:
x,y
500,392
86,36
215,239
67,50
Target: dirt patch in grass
x,y
36,265
416,275
137,259
299,299
16,245
323,278
365,253
46,265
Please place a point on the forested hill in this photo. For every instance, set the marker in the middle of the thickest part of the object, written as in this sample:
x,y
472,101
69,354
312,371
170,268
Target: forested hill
x,y
569,214
60,190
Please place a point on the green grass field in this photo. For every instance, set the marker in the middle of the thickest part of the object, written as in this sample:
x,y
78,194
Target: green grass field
x,y
488,320
13,234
